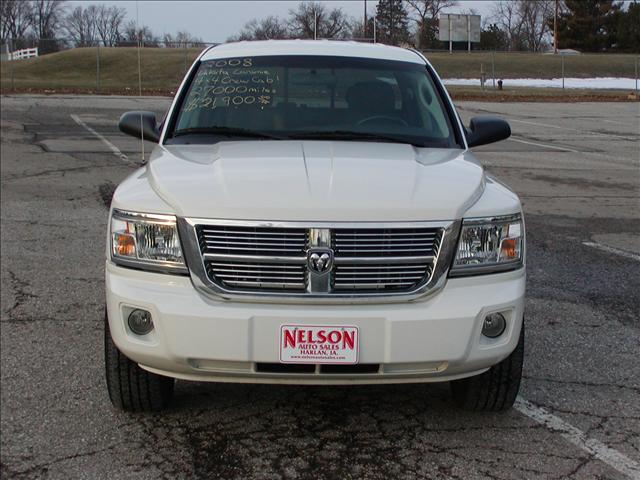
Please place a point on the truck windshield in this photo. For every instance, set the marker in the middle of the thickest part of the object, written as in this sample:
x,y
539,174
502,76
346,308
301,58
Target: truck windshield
x,y
312,97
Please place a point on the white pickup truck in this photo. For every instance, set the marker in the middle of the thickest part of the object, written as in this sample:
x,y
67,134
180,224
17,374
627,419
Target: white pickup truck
x,y
313,214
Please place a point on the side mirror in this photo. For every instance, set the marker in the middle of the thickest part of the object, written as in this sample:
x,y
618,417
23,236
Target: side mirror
x,y
483,130
140,124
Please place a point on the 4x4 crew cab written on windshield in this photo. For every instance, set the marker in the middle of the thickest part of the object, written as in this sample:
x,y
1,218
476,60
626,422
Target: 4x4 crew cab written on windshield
x,y
312,214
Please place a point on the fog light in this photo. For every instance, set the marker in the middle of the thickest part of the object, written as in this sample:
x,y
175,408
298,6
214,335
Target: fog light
x,y
140,322
494,325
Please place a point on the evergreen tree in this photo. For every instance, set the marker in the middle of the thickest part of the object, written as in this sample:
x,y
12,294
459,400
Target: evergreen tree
x,y
392,22
492,38
588,25
628,29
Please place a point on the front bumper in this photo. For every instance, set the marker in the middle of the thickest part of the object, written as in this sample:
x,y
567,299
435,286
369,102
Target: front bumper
x,y
198,338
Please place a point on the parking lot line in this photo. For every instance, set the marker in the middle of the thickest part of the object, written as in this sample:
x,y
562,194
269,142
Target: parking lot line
x,y
558,127
599,450
116,151
609,249
544,145
613,121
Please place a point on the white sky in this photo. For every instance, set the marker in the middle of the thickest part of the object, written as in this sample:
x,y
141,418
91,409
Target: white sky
x,y
215,21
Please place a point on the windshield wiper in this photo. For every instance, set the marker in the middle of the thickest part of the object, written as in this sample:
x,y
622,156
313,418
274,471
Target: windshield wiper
x,y
350,135
226,131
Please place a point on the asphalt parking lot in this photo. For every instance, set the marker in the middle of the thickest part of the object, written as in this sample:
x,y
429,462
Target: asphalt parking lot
x,y
577,170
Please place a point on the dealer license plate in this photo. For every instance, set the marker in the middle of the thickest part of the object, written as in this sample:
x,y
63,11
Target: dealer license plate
x,y
324,344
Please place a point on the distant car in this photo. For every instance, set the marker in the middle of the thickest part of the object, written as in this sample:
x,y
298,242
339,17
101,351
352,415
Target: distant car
x,y
312,214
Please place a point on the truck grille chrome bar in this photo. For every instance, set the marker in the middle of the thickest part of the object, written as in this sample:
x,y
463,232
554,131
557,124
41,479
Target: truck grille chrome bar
x,y
252,241
386,242
317,261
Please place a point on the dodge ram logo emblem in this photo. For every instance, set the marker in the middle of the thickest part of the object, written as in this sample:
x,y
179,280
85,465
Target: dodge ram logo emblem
x,y
320,260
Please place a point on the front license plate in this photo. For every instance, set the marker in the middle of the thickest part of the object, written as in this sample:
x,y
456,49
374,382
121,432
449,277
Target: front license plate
x,y
318,344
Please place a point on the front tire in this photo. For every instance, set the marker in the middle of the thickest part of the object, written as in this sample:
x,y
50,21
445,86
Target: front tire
x,y
494,390
130,387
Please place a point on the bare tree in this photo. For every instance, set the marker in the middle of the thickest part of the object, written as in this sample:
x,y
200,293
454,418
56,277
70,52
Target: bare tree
x,y
168,40
81,25
109,24
508,19
268,28
182,39
357,30
525,22
425,13
16,17
185,39
134,33
536,15
47,17
313,19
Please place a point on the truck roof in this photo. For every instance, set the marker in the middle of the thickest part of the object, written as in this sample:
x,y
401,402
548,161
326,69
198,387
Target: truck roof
x,y
312,47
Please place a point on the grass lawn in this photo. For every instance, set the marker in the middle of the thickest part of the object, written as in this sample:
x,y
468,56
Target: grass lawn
x,y
163,68
530,65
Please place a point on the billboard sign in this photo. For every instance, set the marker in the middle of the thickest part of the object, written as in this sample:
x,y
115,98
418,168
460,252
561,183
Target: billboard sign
x,y
459,28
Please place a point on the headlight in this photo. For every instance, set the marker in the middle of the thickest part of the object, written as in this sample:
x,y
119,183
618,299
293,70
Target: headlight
x,y
146,241
489,245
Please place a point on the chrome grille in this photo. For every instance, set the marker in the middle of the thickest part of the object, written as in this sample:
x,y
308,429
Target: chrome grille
x,y
383,276
239,257
411,242
262,259
383,259
232,240
237,274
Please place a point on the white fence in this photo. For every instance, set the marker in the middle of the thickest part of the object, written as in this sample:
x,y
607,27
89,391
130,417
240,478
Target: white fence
x,y
24,53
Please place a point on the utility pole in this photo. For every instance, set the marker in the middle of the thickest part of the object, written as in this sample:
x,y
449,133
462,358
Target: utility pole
x,y
555,30
364,25
315,24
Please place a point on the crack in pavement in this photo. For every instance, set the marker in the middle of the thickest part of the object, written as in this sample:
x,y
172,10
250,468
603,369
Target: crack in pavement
x,y
63,170
593,447
43,468
20,295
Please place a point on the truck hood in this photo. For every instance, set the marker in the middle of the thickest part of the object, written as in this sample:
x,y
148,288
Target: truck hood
x,y
315,181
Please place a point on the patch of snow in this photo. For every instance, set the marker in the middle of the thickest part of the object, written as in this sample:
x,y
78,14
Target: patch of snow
x,y
585,83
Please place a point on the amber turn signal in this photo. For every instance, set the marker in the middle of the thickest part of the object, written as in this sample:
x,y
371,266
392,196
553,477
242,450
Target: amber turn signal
x,y
509,249
124,245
